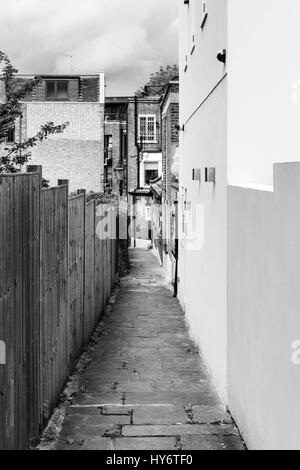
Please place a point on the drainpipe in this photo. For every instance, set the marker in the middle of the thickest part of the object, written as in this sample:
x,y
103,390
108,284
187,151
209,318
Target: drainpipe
x,y
138,158
137,145
176,251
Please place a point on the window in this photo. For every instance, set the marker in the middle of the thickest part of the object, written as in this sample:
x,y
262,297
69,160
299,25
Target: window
x,y
151,172
11,136
204,13
150,175
147,128
57,90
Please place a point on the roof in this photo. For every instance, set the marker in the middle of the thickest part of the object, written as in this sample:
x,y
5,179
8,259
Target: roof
x,y
145,99
141,192
117,99
156,187
75,75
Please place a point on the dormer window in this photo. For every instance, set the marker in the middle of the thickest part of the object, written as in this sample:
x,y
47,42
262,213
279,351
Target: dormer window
x,y
57,90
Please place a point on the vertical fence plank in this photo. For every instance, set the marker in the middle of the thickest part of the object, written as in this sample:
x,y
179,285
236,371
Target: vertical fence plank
x,y
89,305
76,275
99,265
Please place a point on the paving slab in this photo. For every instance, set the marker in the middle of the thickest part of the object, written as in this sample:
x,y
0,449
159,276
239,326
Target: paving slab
x,y
179,430
211,442
142,443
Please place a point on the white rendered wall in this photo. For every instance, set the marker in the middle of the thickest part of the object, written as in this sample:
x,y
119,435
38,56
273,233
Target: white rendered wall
x,y
263,105
202,268
263,311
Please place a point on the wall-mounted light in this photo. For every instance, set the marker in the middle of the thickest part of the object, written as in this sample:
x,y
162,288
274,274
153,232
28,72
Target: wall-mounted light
x,y
210,175
196,174
180,127
222,56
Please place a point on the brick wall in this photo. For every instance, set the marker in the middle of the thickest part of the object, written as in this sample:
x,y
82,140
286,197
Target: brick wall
x,y
170,139
89,89
78,153
114,129
145,106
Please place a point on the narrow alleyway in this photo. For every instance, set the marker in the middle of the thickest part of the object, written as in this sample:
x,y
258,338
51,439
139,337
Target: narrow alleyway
x,y
147,388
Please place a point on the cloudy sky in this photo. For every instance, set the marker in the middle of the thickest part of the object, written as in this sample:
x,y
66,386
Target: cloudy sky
x,y
128,39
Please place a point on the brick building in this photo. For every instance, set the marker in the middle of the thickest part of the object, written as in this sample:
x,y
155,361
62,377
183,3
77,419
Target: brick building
x,y
78,153
115,146
133,140
165,188
144,140
141,136
144,161
170,140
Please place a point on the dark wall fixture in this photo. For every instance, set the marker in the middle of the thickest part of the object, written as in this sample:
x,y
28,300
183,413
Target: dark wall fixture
x,y
222,56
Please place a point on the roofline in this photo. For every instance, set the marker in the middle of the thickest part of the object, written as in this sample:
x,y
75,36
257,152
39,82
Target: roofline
x,y
167,93
145,98
67,75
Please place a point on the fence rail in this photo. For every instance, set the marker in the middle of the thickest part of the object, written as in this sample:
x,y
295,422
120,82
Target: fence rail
x,y
56,276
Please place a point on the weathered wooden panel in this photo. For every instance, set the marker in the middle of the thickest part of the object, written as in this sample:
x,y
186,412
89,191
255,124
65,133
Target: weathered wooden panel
x,y
89,295
76,274
55,277
99,266
54,302
19,309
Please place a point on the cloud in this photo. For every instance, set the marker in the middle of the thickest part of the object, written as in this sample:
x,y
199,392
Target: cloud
x,y
128,39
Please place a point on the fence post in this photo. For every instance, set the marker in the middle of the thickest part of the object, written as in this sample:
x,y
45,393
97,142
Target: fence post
x,y
35,169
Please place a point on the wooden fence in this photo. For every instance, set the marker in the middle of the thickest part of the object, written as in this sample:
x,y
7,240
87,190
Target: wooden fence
x,y
56,275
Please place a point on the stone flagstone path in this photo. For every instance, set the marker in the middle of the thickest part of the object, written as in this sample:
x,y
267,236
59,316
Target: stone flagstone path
x,y
147,388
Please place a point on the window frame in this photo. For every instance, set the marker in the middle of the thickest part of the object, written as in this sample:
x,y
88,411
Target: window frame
x,y
147,180
56,81
147,140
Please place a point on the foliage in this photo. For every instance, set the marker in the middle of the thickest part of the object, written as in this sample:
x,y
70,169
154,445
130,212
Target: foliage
x,y
13,157
159,80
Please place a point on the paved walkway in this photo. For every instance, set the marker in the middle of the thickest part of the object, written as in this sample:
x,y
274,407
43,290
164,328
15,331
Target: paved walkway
x,y
147,388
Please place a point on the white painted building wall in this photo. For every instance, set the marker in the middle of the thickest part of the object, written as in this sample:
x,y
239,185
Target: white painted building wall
x,y
264,311
263,87
202,270
240,295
